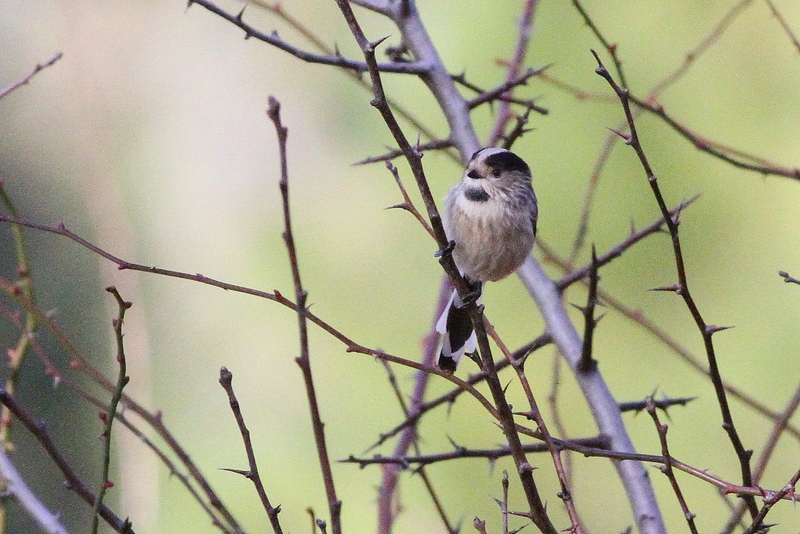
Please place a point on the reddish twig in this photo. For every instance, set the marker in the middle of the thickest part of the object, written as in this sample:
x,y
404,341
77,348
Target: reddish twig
x,y
780,425
226,381
304,361
390,472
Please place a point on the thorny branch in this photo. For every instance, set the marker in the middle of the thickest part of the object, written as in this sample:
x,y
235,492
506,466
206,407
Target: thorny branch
x,y
682,288
109,416
538,513
304,361
226,381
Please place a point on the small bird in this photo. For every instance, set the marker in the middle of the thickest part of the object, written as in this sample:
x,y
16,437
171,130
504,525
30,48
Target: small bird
x,y
490,218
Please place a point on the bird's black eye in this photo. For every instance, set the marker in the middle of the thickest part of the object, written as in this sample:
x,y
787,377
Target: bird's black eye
x,y
474,174
495,173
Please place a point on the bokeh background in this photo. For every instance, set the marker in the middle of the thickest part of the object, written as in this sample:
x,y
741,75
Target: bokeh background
x,y
149,138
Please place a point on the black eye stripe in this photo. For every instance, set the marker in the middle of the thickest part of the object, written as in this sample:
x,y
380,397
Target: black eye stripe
x,y
474,174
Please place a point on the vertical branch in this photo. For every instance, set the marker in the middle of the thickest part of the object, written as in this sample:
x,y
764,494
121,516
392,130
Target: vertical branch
x,y
667,468
538,512
109,416
512,71
682,288
334,504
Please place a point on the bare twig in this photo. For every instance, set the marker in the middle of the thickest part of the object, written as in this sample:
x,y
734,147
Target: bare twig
x,y
784,24
780,425
36,70
109,416
154,420
771,499
514,66
586,361
407,204
787,278
453,394
226,381
391,472
490,454
437,144
667,467
334,504
682,288
333,60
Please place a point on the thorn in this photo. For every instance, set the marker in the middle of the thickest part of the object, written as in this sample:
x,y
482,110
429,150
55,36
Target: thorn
x,y
674,288
374,44
711,329
625,136
241,14
246,474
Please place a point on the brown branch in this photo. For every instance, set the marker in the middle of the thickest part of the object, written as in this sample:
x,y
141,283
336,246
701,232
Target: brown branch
x,y
682,288
733,157
667,467
771,499
498,93
333,60
452,395
461,79
391,473
780,425
226,381
614,253
304,361
154,420
788,279
437,144
504,114
464,452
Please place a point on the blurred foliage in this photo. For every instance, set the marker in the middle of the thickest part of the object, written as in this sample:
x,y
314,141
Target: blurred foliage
x,y
149,138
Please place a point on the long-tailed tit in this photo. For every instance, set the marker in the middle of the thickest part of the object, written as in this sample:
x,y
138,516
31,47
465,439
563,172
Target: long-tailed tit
x,y
490,218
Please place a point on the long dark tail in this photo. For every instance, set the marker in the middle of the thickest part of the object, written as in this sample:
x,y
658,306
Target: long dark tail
x,y
457,336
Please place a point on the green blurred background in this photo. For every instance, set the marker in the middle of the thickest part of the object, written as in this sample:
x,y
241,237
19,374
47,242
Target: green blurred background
x,y
150,139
